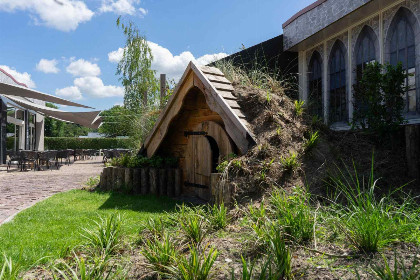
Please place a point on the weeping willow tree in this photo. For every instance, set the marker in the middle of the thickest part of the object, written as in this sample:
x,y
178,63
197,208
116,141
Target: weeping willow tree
x,y
139,80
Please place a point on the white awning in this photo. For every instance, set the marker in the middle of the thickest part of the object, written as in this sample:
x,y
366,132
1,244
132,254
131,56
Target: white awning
x,y
20,91
89,119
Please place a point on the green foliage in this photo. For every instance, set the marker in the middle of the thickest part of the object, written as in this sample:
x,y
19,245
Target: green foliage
x,y
400,271
379,102
299,107
281,256
137,76
248,271
197,266
192,224
159,252
117,121
62,143
370,222
294,214
92,268
135,161
225,163
266,167
92,182
10,270
217,215
104,238
291,162
311,142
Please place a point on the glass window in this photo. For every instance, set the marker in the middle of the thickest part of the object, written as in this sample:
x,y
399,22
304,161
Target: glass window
x,y
315,85
338,100
402,50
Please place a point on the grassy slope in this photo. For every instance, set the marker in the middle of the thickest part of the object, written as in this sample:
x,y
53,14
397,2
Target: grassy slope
x,y
53,225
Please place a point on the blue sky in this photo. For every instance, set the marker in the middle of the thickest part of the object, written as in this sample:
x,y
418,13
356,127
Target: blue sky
x,y
70,47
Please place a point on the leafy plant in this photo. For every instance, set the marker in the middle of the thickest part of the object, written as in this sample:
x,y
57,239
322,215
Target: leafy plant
x,y
104,237
159,252
399,272
290,163
299,107
155,227
280,254
218,216
312,141
99,269
248,271
197,266
265,168
370,222
193,227
294,214
379,101
9,269
92,182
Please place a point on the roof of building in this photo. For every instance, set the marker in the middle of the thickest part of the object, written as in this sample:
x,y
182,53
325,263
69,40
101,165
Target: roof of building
x,y
303,11
218,93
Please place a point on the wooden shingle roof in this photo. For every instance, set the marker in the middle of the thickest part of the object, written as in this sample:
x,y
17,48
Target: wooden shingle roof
x,y
218,92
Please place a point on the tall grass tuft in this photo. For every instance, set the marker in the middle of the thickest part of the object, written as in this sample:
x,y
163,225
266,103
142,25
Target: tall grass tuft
x,y
159,252
367,220
193,224
218,216
197,266
294,214
104,237
311,142
10,270
290,162
299,107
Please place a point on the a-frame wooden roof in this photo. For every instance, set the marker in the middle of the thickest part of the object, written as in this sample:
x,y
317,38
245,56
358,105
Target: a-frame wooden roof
x,y
218,93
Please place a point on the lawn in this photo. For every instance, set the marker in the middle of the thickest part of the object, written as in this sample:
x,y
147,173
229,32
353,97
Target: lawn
x,y
52,226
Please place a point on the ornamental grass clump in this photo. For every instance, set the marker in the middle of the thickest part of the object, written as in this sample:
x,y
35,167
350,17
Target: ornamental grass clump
x,y
293,214
104,238
10,270
193,224
369,221
217,216
160,252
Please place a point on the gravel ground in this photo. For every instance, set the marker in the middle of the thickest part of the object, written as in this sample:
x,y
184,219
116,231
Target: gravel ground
x,y
20,190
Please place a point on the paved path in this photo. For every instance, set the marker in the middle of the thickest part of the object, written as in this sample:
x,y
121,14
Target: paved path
x,y
20,190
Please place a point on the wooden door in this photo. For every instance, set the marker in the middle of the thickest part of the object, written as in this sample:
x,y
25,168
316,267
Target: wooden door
x,y
207,145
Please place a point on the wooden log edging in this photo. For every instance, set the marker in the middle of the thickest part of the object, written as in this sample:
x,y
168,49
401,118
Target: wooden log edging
x,y
162,182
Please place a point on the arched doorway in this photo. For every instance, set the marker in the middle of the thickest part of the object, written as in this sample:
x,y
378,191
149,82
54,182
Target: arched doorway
x,y
207,145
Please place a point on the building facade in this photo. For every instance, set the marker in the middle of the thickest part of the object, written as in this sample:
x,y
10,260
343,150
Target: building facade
x,y
335,39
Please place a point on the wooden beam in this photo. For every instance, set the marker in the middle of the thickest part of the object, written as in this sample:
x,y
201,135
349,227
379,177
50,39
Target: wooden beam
x,y
211,70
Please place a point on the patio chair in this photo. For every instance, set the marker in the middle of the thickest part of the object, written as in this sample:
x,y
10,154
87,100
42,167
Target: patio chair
x,y
63,154
14,158
29,157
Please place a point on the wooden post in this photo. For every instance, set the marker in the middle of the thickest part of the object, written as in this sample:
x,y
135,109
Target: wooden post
x,y
170,182
162,88
153,181
120,178
177,182
137,181
162,182
144,189
412,149
102,180
114,178
128,180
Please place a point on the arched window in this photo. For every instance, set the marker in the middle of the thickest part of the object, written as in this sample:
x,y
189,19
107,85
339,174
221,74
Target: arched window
x,y
315,85
365,50
403,50
337,70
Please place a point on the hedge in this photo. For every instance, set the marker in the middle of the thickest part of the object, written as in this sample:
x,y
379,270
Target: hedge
x,y
61,143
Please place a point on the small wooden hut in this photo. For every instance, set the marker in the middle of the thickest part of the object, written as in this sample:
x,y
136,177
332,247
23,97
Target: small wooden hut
x,y
202,124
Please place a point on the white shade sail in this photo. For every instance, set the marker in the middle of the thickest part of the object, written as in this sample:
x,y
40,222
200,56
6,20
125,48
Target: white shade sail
x,y
20,91
89,119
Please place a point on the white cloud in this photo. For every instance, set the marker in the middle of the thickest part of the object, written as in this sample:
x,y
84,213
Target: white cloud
x,y
69,92
122,7
48,66
116,56
165,62
24,77
64,15
94,87
81,68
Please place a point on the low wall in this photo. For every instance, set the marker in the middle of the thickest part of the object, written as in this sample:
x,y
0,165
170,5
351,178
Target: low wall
x,y
161,182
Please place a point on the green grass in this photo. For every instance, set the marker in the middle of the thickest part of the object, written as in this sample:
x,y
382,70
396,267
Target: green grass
x,y
53,225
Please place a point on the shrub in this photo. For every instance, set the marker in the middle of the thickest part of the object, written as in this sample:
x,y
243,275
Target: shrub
x,y
196,267
103,239
293,214
62,143
379,101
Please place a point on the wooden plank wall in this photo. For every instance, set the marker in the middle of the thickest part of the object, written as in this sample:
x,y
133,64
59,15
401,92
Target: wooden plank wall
x,y
193,112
